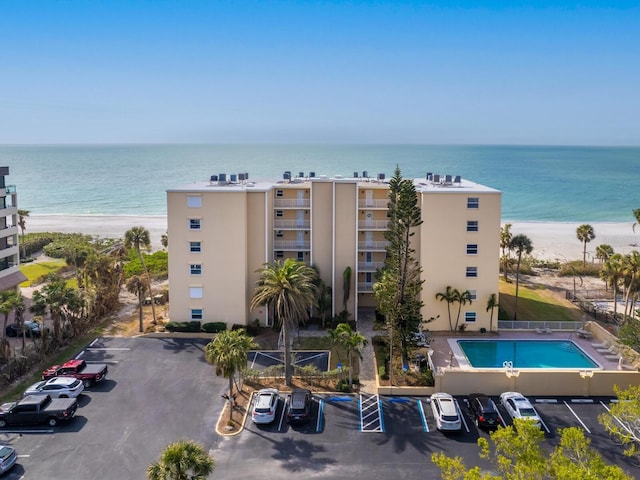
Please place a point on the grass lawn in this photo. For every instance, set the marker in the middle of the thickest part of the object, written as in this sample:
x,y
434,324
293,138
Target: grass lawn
x,y
34,271
537,303
338,354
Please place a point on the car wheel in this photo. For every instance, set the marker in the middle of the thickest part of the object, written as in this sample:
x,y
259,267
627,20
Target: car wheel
x,y
86,383
52,422
3,423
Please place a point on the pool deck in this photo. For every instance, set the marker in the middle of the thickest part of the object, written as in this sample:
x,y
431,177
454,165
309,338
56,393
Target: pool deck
x,y
444,357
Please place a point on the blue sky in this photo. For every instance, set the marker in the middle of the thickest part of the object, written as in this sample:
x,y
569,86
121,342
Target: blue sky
x,y
541,72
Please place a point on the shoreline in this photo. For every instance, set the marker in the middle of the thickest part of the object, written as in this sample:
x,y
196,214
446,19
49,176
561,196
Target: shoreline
x,y
551,240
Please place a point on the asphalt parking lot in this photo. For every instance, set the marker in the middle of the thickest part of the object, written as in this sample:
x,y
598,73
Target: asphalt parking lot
x,y
161,390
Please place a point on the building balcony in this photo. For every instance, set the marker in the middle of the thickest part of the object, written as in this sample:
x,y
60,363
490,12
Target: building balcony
x,y
291,224
8,231
365,287
9,252
292,245
373,225
292,203
369,266
372,246
5,212
372,204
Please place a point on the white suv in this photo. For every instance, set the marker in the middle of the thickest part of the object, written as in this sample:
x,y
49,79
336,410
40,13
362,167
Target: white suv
x,y
265,406
446,412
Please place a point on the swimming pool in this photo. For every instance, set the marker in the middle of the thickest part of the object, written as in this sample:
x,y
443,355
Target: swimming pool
x,y
524,354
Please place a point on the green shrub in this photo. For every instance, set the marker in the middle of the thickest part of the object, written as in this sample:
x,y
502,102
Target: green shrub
x,y
192,326
382,373
426,378
214,327
579,269
343,386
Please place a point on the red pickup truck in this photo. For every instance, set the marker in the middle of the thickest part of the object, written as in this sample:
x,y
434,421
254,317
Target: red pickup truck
x,y
89,373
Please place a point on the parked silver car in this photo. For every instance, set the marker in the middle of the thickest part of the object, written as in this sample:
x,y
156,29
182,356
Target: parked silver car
x,y
445,412
57,387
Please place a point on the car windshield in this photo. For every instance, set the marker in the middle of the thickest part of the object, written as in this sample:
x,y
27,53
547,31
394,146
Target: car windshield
x,y
5,452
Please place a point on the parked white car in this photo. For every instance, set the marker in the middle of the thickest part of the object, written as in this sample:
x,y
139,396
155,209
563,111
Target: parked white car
x,y
445,412
57,387
265,406
519,406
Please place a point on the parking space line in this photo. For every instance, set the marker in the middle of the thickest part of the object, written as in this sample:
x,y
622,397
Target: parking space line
x,y
542,421
617,419
577,418
466,427
320,416
284,409
107,349
371,419
423,417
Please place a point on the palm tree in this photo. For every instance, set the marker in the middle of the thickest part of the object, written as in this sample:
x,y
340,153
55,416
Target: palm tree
x,y
521,244
164,240
182,460
22,223
138,238
492,303
636,215
346,288
138,285
61,301
10,300
611,272
603,252
505,241
450,296
353,342
585,234
463,298
228,351
289,287
631,272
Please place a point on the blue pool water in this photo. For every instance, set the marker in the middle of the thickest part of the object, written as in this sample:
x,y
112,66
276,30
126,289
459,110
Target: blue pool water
x,y
525,354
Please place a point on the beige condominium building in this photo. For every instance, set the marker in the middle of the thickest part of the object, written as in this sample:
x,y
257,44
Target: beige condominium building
x,y
223,230
10,275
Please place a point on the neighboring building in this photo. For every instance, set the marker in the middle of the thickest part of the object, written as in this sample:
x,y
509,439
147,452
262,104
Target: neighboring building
x,y
10,275
221,232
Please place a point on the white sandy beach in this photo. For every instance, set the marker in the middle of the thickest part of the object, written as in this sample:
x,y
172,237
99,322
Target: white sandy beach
x,y
551,240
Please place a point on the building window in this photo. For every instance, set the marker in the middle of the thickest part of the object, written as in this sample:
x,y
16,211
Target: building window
x,y
279,254
194,201
301,256
472,294
195,292
473,202
472,272
472,226
194,224
279,193
279,213
196,269
470,317
195,247
196,314
472,248
279,234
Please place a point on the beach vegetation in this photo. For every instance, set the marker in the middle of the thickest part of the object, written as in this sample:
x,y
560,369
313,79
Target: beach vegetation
x,y
636,215
22,223
289,288
585,234
521,244
182,460
37,272
229,351
63,303
399,283
577,268
516,452
138,285
157,264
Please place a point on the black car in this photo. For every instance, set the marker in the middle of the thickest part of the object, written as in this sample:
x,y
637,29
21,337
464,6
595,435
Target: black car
x,y
31,329
484,411
299,406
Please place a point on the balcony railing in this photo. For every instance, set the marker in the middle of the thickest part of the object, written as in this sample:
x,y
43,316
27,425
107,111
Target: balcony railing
x,y
373,203
292,203
291,245
373,224
372,246
291,224
369,266
365,287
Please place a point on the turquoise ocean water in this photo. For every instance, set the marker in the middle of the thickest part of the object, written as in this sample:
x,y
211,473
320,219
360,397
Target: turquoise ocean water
x,y
547,184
